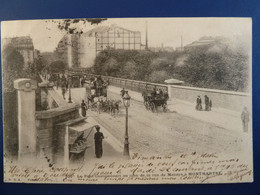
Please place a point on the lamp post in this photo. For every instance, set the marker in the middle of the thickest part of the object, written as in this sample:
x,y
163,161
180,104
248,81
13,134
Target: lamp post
x,y
126,101
69,80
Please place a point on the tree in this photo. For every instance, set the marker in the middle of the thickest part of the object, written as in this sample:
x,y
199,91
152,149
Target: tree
x,y
158,76
57,67
13,67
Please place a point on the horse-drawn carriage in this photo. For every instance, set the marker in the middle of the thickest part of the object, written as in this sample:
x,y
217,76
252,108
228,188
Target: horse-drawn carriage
x,y
95,88
154,100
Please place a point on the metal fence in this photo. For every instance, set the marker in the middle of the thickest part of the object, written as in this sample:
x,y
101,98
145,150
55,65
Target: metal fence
x,y
133,85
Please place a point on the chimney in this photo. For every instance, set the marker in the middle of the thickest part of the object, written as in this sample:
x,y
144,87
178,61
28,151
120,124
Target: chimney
x,y
146,35
181,44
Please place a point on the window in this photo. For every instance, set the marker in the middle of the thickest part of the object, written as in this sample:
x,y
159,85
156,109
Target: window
x,y
105,40
137,46
119,46
126,39
111,39
132,40
132,34
132,46
119,40
137,39
126,46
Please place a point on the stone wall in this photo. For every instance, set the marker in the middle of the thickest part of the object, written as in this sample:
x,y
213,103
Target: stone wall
x,y
229,100
10,123
49,135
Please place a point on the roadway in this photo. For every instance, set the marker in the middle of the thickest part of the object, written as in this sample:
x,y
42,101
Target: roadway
x,y
166,133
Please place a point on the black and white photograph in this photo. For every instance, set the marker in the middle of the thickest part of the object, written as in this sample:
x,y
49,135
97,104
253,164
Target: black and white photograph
x,y
127,100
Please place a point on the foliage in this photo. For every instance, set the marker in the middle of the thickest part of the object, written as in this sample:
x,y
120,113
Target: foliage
x,y
67,24
128,64
57,67
226,69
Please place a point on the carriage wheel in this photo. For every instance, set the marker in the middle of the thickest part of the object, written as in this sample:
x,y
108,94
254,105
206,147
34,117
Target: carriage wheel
x,y
146,104
164,108
153,108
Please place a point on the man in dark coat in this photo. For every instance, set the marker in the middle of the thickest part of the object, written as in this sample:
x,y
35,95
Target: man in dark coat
x,y
83,81
122,92
98,142
198,105
210,105
83,108
206,103
245,119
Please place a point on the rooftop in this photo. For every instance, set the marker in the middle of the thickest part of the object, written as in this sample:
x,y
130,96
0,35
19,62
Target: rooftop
x,y
24,41
204,41
102,29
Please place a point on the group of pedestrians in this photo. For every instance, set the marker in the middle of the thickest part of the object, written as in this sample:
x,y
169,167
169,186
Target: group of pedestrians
x,y
207,101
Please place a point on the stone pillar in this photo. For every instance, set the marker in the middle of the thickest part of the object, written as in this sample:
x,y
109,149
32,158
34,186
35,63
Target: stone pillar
x,y
26,118
170,91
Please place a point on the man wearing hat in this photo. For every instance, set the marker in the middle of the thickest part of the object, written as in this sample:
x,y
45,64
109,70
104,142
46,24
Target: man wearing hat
x,y
198,105
98,142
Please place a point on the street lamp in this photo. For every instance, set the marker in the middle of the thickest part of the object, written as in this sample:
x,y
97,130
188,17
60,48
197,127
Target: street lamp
x,y
69,80
126,101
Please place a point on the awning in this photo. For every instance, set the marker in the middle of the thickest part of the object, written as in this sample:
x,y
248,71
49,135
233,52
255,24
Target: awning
x,y
173,81
81,129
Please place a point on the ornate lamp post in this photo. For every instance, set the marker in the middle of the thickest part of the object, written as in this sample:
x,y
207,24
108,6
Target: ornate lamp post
x,y
69,80
126,101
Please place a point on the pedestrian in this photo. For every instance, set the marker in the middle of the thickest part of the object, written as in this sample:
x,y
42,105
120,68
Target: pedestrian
x,y
105,86
98,106
122,92
67,85
210,105
83,81
98,142
83,108
63,88
58,82
245,119
198,105
206,103
161,92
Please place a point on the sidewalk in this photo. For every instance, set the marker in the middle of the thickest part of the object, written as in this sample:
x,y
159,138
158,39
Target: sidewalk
x,y
219,117
112,148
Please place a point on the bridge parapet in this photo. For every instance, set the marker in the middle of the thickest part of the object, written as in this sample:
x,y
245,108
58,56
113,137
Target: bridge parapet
x,y
228,100
133,85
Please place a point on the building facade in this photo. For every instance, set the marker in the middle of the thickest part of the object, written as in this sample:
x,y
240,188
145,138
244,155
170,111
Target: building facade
x,y
24,45
80,51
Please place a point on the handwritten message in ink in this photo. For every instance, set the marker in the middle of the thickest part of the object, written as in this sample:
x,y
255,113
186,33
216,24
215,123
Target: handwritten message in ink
x,y
183,168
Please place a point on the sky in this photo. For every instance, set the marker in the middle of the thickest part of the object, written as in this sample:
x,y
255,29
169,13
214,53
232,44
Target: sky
x,y
167,31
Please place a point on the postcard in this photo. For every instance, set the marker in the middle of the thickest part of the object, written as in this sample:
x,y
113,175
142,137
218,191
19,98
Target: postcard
x,y
127,100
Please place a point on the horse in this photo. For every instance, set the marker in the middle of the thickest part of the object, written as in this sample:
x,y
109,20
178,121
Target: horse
x,y
114,105
90,100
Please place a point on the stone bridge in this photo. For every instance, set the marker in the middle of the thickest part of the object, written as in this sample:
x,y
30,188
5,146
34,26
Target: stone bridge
x,y
221,99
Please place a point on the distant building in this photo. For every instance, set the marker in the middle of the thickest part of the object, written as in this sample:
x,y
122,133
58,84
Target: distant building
x,y
81,50
24,45
205,43
161,49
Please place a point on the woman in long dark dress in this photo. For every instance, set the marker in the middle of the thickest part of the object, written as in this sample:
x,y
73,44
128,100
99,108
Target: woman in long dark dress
x,y
83,108
98,142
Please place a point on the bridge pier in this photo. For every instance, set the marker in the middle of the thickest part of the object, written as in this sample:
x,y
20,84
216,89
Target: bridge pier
x,y
26,119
